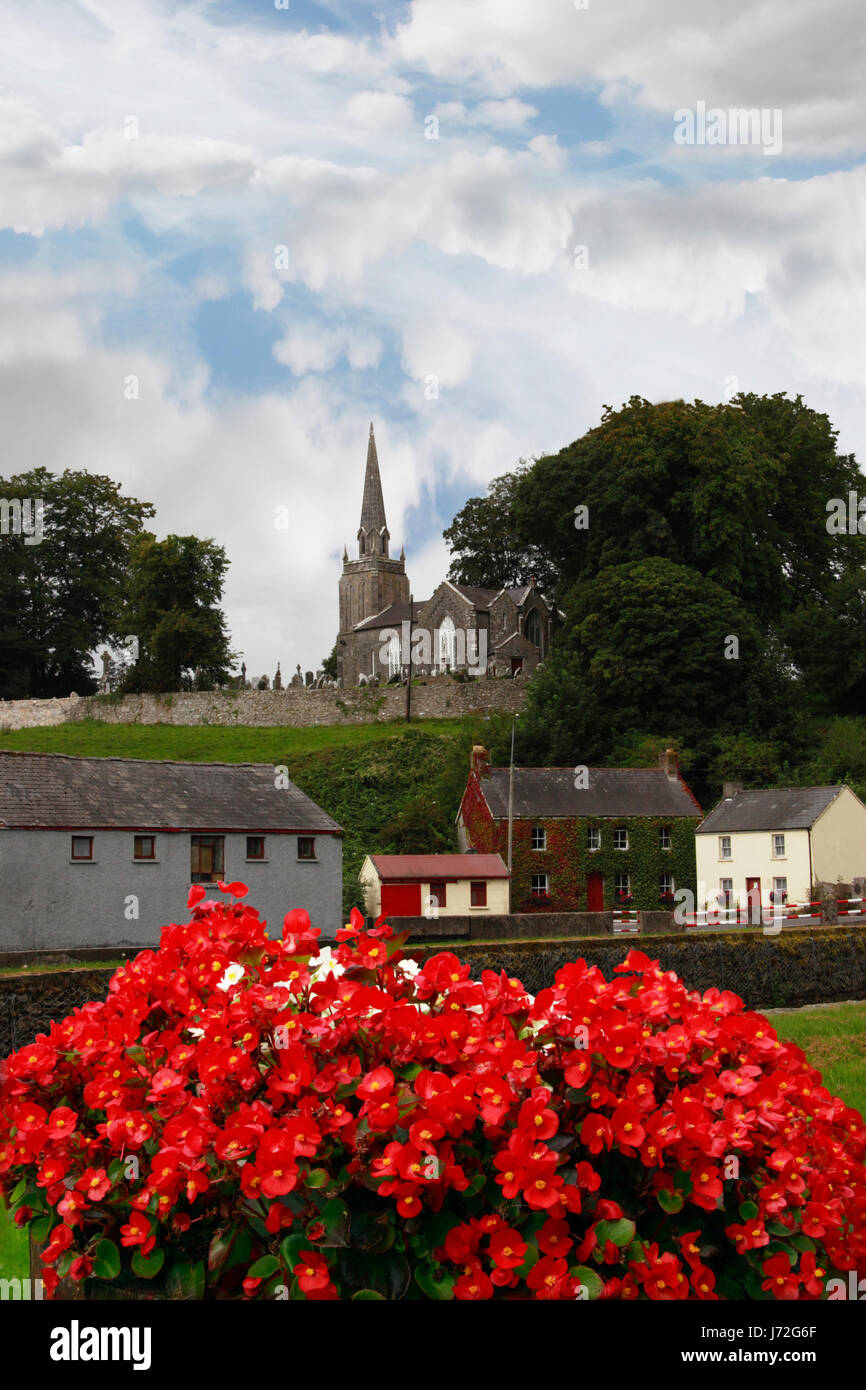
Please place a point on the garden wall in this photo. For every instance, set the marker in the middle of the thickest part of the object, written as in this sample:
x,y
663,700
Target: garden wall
x,y
517,925
296,707
798,967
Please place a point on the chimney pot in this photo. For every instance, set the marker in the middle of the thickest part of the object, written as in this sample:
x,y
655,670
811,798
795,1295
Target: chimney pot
x,y
480,760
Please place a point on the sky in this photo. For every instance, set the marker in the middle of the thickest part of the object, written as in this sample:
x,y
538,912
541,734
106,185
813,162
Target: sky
x,y
234,233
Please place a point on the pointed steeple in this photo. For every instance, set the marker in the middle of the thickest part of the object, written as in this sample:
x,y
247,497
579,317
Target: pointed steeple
x,y
373,505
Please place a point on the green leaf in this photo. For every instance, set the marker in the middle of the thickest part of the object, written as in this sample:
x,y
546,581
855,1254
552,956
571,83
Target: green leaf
x,y
291,1247
186,1280
777,1228
147,1266
669,1201
748,1211
316,1177
18,1192
64,1263
335,1215
39,1229
438,1289
373,1232
366,1295
387,1274
803,1244
589,1280
218,1250
264,1268
106,1260
621,1232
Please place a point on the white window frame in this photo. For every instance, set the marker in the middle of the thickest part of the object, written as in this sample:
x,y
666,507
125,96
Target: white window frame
x,y
777,853
622,883
723,840
543,888
664,837
593,839
538,830
783,880
666,883
620,830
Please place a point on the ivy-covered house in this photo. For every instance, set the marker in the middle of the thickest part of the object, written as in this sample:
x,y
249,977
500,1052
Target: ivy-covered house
x,y
585,839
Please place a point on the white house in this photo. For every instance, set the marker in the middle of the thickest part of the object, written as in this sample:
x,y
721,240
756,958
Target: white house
x,y
774,846
434,885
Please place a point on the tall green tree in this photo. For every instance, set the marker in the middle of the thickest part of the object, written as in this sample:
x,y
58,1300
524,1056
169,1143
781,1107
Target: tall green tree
x,y
175,588
61,586
487,549
654,646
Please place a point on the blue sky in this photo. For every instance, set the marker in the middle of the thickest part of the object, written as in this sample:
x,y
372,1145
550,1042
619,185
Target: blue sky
x,y
240,207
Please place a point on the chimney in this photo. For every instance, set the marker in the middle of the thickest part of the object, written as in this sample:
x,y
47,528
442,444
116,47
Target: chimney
x,y
669,763
730,789
480,760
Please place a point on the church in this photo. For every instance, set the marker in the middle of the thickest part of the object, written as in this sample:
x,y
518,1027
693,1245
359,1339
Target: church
x,y
461,628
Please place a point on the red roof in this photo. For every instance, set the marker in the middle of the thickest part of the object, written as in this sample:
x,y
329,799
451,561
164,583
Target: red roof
x,y
438,866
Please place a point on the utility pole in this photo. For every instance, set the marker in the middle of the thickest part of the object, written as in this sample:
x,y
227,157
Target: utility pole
x,y
409,680
511,813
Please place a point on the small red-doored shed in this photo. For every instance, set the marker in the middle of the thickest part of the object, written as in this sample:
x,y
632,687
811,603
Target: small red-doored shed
x,y
441,885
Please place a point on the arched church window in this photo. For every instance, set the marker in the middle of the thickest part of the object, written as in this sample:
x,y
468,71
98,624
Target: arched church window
x,y
446,643
532,630
393,656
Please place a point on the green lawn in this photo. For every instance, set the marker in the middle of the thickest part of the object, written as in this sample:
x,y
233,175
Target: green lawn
x,y
833,1037
208,742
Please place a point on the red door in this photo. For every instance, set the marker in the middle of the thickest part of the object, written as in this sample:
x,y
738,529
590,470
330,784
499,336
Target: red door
x,y
753,897
595,892
401,899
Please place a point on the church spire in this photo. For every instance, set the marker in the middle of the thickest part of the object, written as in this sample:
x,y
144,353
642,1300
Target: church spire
x,y
373,505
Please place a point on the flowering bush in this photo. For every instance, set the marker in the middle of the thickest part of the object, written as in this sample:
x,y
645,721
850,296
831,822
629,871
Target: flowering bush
x,y
251,1118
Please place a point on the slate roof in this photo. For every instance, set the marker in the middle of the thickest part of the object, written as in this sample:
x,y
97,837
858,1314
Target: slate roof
x,y
51,790
391,867
392,616
550,793
780,808
373,504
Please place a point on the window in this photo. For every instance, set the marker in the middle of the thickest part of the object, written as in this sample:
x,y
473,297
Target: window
x,y
724,847
666,885
144,847
437,891
622,885
593,838
306,847
82,847
540,886
392,656
778,847
780,890
539,837
447,642
620,837
255,847
478,894
206,858
664,837
726,891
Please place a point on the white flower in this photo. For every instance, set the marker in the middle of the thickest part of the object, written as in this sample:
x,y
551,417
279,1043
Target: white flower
x,y
196,1032
409,967
233,974
324,965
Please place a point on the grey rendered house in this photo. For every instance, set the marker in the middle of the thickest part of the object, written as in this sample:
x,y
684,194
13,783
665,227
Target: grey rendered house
x,y
103,851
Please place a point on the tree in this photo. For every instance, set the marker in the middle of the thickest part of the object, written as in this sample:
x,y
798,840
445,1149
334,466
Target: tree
x,y
739,492
175,588
651,645
486,548
61,586
329,664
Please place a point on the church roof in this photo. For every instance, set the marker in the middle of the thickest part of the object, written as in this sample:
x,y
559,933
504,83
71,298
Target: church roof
x,y
392,616
373,505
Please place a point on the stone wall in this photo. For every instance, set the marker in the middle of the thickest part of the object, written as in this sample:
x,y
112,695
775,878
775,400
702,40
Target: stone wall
x,y
295,707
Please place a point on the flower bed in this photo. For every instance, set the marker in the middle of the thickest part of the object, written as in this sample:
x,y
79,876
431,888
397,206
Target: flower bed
x,y
251,1118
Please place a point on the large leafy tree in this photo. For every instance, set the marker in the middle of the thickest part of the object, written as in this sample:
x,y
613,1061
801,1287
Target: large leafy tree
x,y
487,548
175,589
652,645
62,594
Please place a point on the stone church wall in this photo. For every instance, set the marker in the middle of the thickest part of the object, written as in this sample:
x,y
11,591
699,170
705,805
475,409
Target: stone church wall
x,y
296,708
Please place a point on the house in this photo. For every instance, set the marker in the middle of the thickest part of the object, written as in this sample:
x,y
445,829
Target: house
x,y
440,885
103,851
778,845
585,839
502,632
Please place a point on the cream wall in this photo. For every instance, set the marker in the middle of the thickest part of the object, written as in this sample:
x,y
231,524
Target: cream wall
x,y
752,857
839,840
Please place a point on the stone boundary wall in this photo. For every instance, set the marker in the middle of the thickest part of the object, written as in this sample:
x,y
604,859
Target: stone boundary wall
x,y
799,966
296,707
518,925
